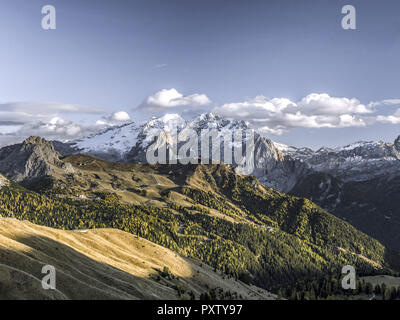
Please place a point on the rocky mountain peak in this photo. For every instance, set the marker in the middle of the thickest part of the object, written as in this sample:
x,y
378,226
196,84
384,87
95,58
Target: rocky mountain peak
x,y
212,121
361,160
32,159
37,141
397,143
41,147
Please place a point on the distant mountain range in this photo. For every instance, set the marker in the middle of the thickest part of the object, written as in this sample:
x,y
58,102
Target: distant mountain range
x,y
359,182
359,161
210,213
129,143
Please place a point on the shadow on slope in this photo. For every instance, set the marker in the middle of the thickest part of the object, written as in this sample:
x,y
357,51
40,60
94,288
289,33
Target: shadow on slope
x,y
103,264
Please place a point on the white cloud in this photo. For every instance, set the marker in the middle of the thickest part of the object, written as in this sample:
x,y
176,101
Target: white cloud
x,y
120,116
102,123
393,119
22,119
387,102
43,109
273,116
58,129
279,115
171,98
323,104
19,113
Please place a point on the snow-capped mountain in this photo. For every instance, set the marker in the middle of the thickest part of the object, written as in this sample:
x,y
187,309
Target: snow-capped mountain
x,y
357,161
119,141
114,140
115,143
359,182
275,165
131,141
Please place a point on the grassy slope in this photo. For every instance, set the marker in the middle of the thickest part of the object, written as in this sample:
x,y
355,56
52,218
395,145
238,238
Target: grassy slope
x,y
100,264
209,213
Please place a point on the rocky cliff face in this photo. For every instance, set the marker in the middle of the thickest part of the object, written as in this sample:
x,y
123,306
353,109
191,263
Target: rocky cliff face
x,y
397,144
274,169
32,159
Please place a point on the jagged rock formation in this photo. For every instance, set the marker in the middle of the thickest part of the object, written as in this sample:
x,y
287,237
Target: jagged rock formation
x,y
397,143
355,162
33,159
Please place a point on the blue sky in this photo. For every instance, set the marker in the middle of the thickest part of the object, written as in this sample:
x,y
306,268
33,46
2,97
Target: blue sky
x,y
109,56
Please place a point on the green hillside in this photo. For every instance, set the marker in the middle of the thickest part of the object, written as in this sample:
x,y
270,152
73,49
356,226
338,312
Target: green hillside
x,y
371,205
209,213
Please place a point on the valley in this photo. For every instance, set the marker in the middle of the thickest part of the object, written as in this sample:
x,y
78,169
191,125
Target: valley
x,y
243,229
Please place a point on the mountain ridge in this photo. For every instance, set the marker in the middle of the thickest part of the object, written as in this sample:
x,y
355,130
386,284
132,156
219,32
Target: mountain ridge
x,y
129,143
357,161
358,183
201,211
343,180
34,158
